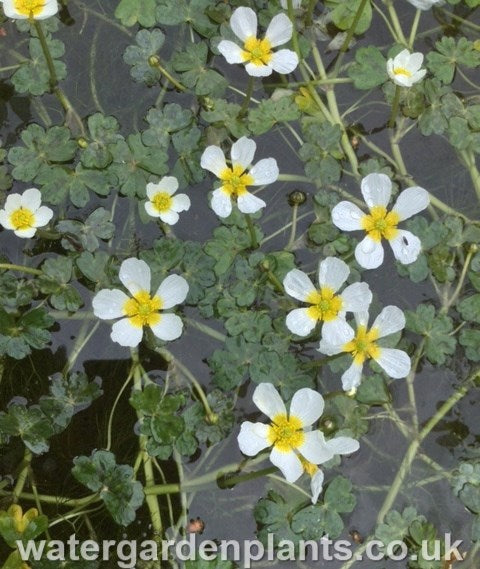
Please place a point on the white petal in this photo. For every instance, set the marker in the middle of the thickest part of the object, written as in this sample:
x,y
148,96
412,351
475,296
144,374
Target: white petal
x,y
213,160
307,405
258,70
411,201
244,23
315,448
181,202
390,320
169,217
279,30
288,463
316,485
151,209
298,284
415,61
12,203
402,80
169,328
284,61
402,59
361,318
356,297
332,272
343,445
172,291
50,8
31,199
135,275
125,334
232,52
406,247
243,152
352,377
335,334
168,184
347,216
108,304
25,233
369,253
264,172
299,322
268,400
376,189
253,438
395,363
42,216
5,220
418,75
248,203
221,203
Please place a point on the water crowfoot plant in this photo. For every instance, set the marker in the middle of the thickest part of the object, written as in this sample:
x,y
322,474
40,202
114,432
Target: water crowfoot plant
x,y
266,296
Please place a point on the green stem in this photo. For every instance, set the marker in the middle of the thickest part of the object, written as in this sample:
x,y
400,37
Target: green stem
x,y
248,96
410,387
22,477
328,81
154,61
46,53
151,500
56,500
349,36
21,268
396,23
310,9
413,31
469,159
114,406
251,231
215,334
471,251
415,445
395,105
293,230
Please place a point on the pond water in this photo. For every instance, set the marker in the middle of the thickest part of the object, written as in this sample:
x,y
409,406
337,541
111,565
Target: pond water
x,y
99,81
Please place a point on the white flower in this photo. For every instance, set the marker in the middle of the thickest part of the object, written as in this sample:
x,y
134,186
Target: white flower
x,y
425,4
236,179
162,203
257,54
378,224
295,3
141,309
294,443
404,69
326,305
26,9
362,345
23,213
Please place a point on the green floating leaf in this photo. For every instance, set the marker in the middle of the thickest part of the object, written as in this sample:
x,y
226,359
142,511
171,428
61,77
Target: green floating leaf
x,y
94,266
137,56
15,292
192,12
41,148
222,113
28,423
19,334
57,273
195,72
227,242
373,391
164,122
115,484
450,53
469,308
344,14
271,112
369,69
130,12
86,235
470,340
436,329
103,132
396,525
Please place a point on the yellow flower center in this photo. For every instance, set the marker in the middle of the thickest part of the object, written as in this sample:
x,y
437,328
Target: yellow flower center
x,y
286,434
258,52
29,7
326,305
380,224
402,71
235,181
363,346
308,467
22,218
162,202
142,310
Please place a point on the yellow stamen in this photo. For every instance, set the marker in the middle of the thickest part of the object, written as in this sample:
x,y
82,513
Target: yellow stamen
x,y
30,8
308,467
363,346
402,71
256,51
162,202
326,305
22,218
20,519
235,181
286,434
380,224
142,310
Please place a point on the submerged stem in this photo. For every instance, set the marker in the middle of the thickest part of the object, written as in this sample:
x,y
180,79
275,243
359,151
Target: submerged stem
x,y
252,232
248,96
21,268
395,105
